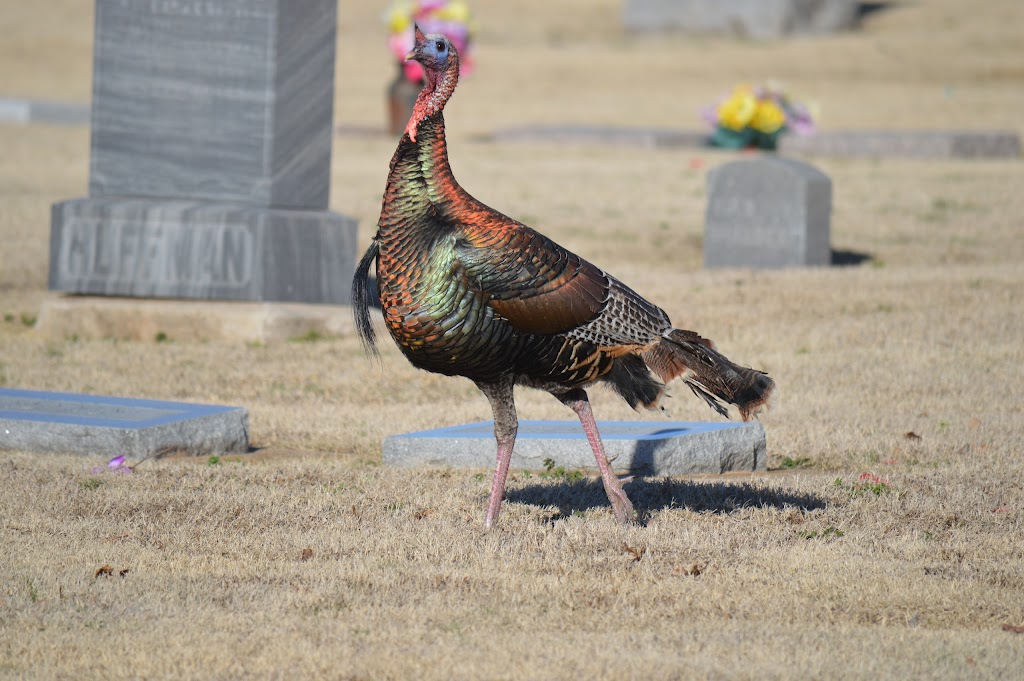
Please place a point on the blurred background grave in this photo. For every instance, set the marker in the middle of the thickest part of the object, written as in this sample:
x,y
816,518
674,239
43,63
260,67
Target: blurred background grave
x,y
758,19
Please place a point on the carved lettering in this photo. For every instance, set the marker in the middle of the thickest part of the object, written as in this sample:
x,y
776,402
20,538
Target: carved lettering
x,y
236,256
102,260
76,255
206,8
167,255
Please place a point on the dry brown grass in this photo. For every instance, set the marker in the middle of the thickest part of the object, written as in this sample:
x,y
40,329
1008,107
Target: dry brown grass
x,y
803,573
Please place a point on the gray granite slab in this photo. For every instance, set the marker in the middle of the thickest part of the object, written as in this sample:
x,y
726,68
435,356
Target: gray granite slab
x,y
761,19
767,212
224,101
840,143
26,111
641,447
37,421
181,249
924,144
609,135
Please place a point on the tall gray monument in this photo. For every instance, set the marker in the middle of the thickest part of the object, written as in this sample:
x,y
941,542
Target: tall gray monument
x,y
767,212
210,157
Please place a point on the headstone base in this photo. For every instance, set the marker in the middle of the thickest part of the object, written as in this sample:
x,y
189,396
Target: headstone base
x,y
188,321
640,447
157,248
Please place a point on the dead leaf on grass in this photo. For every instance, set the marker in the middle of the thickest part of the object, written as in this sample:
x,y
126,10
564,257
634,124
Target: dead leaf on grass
x,y
104,571
974,423
306,554
911,435
423,513
636,553
1013,628
692,570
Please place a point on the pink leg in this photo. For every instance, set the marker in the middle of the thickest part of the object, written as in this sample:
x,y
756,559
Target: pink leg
x,y
498,484
506,424
577,400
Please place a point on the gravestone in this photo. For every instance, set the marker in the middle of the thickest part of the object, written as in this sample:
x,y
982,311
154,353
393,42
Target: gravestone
x,y
641,447
761,19
210,156
767,212
36,421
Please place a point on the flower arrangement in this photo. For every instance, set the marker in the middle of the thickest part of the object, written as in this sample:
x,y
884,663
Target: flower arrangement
x,y
448,17
755,117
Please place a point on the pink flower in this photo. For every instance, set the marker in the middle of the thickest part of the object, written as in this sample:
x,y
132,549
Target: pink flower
x,y
119,464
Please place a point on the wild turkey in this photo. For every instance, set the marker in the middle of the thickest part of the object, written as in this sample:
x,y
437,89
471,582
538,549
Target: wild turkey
x,y
467,291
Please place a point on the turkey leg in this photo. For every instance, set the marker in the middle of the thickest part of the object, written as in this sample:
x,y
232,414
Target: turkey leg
x,y
506,424
578,401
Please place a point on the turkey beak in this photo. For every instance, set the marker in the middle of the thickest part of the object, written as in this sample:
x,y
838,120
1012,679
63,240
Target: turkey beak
x,y
418,39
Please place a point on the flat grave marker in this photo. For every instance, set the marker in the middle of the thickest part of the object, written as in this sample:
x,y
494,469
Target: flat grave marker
x,y
39,421
758,19
654,138
920,144
641,447
26,111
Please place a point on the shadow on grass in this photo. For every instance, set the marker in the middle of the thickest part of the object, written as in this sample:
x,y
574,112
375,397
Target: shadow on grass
x,y
653,494
848,258
866,8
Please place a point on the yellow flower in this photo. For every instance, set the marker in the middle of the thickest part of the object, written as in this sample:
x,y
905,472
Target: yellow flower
x,y
456,11
736,112
399,17
768,118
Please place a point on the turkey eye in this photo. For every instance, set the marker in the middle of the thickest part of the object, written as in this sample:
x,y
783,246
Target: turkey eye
x,y
439,45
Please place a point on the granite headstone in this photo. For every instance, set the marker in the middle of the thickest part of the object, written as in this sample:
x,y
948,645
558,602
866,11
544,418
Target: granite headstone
x,y
210,156
767,212
759,19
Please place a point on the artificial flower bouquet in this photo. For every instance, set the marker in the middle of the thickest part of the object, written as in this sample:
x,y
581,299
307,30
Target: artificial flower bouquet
x,y
755,118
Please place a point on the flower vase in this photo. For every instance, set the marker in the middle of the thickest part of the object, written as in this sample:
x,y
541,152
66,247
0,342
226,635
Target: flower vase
x,y
401,97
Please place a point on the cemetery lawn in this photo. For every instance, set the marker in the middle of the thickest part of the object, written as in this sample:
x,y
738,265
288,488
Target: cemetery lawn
x,y
886,541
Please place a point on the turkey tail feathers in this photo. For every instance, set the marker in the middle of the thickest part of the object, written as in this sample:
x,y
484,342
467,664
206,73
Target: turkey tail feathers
x,y
632,379
361,300
709,374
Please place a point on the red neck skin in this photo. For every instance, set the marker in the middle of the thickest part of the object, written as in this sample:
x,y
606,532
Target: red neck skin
x,y
436,91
